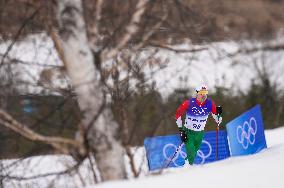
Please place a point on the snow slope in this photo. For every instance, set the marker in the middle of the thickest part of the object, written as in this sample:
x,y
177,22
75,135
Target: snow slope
x,y
210,66
41,165
34,53
214,67
261,170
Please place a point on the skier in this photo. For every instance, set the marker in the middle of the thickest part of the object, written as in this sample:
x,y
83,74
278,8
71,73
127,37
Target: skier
x,y
197,111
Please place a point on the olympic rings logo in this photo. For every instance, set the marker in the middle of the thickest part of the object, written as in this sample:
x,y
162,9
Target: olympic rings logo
x,y
246,133
168,155
198,111
172,147
202,155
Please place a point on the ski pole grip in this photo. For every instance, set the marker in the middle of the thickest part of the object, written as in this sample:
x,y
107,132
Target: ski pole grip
x,y
219,110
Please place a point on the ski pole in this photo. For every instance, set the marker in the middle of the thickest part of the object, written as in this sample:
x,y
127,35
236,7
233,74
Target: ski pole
x,y
219,112
167,165
174,154
217,135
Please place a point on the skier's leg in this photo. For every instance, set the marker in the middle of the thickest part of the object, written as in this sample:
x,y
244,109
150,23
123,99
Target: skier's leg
x,y
198,140
190,148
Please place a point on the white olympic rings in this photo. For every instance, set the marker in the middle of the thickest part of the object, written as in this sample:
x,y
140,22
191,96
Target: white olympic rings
x,y
201,154
183,154
199,111
180,152
246,133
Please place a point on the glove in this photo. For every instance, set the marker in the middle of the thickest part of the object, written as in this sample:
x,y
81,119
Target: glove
x,y
219,110
217,118
179,122
182,135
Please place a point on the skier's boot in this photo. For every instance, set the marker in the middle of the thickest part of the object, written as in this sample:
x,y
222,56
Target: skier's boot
x,y
186,164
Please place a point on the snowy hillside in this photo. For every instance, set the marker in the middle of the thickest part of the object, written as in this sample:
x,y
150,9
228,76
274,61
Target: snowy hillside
x,y
28,58
210,66
262,170
265,169
214,67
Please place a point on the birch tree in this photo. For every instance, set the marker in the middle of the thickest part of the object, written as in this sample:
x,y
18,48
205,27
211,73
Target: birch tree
x,y
97,123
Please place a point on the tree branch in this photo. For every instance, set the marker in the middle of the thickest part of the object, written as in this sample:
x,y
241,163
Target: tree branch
x,y
19,178
147,36
18,34
277,47
58,142
131,29
95,28
177,50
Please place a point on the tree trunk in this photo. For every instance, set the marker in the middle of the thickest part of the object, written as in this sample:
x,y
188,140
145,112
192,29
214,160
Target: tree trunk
x,y
85,78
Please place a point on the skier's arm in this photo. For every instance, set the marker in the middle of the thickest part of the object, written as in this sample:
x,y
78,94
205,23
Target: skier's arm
x,y
213,110
180,111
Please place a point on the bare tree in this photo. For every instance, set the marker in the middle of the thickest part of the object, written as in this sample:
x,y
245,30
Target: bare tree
x,y
98,133
97,123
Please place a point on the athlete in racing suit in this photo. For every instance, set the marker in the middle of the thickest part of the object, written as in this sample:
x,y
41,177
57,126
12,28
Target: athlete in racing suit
x,y
197,111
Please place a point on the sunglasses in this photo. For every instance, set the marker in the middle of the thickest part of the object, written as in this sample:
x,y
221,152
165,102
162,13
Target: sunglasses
x,y
202,92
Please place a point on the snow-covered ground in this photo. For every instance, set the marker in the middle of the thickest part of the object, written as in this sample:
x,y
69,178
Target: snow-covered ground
x,y
22,171
28,58
210,66
261,170
215,67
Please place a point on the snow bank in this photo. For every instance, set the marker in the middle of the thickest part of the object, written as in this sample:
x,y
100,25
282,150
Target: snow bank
x,y
22,172
264,169
214,67
34,54
274,137
261,170
211,66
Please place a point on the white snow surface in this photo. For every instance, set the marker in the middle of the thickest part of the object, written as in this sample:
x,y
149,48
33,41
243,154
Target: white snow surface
x,y
210,66
34,53
214,67
261,170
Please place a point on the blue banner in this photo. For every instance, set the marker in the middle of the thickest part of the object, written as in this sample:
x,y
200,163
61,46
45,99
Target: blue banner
x,y
246,133
160,150
207,152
